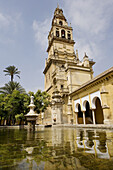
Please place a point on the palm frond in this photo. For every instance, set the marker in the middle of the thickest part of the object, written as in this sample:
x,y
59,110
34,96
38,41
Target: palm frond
x,y
12,70
10,87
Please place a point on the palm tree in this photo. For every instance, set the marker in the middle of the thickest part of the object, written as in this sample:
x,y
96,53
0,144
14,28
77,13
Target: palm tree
x,y
11,71
10,87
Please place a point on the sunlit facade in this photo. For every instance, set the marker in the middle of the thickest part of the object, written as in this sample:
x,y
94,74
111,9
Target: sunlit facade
x,y
76,97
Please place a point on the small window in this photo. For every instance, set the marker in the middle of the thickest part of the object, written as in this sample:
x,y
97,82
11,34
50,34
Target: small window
x,y
54,81
60,23
62,86
57,33
63,33
54,119
69,36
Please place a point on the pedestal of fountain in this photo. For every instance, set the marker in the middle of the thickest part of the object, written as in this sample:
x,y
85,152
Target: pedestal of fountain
x,y
31,116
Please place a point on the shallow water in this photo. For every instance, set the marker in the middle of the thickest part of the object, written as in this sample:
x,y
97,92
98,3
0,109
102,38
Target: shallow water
x,y
56,148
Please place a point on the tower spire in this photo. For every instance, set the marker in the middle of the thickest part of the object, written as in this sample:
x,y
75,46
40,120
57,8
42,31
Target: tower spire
x,y
57,5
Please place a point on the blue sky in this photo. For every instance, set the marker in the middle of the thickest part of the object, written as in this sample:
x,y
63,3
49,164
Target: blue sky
x,y
24,27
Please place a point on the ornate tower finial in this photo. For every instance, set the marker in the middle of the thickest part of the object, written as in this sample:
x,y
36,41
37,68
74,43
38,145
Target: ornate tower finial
x,y
57,5
85,55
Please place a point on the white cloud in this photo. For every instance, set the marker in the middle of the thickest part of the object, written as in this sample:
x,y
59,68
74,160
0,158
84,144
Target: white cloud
x,y
4,21
9,27
17,22
91,20
41,30
89,15
7,21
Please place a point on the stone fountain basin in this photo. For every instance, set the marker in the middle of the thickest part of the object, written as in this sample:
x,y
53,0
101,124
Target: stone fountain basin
x,y
31,117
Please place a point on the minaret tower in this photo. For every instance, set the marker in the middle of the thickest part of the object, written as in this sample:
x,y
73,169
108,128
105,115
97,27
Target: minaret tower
x,y
63,69
60,51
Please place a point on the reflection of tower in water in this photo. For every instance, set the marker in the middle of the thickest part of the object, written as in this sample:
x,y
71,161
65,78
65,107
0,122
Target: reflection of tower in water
x,y
63,139
57,136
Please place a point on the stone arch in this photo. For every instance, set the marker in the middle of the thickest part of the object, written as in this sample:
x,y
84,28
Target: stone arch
x,y
68,35
57,33
99,116
76,107
88,112
94,102
60,23
84,105
63,33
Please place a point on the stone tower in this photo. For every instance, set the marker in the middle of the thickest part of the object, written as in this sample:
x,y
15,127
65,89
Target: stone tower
x,y
63,69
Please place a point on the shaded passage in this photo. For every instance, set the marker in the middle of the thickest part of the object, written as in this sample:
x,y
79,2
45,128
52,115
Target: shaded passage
x,y
99,118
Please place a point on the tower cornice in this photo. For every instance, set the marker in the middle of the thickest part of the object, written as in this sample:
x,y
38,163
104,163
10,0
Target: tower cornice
x,y
61,40
63,26
71,65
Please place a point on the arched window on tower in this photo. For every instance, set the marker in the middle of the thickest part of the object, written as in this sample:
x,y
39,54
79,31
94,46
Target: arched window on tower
x,y
60,23
57,32
68,35
62,86
63,33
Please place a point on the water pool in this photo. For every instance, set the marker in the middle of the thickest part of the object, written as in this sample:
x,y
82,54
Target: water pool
x,y
56,148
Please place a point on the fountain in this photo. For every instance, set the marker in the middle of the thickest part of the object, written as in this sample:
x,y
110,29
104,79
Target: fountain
x,y
31,116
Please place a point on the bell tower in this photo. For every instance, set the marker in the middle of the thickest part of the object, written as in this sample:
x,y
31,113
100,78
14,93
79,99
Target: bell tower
x,y
60,38
60,50
63,69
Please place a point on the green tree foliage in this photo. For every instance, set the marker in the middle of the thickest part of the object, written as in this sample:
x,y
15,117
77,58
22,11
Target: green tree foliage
x,y
2,112
14,101
41,100
19,118
10,87
11,71
14,104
